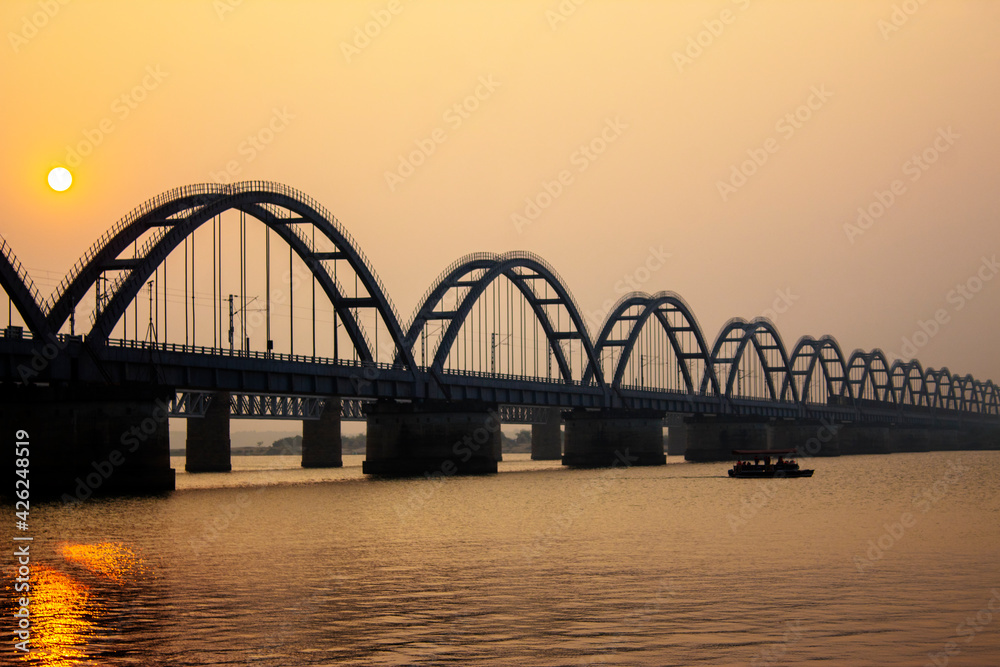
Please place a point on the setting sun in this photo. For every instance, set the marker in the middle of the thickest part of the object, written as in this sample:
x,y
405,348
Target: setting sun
x,y
60,179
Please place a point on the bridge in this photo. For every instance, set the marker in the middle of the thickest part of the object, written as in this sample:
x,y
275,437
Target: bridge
x,y
250,300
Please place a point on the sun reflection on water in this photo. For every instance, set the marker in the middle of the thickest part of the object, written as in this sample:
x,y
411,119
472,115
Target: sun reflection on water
x,y
64,616
113,560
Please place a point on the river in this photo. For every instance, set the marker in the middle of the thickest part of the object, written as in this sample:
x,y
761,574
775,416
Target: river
x,y
876,560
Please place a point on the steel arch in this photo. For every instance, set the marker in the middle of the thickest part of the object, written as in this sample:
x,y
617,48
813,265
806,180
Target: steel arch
x,y
254,198
940,392
21,289
659,304
872,364
746,333
508,265
969,393
991,398
811,349
907,382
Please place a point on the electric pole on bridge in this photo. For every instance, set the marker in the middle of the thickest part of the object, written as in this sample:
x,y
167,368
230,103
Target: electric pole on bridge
x,y
151,329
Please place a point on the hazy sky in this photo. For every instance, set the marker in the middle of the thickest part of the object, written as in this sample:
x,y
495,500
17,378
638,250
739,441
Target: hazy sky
x,y
739,137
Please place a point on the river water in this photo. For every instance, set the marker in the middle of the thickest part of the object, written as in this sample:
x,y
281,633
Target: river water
x,y
876,560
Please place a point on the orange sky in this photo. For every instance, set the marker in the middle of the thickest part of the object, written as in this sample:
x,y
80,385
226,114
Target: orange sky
x,y
833,100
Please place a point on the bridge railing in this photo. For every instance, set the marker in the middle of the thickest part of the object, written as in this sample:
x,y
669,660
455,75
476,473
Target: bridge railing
x,y
139,211
121,343
520,378
465,259
19,269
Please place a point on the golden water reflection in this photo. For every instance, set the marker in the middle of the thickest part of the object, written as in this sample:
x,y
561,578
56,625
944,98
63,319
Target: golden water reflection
x,y
64,616
114,560
67,613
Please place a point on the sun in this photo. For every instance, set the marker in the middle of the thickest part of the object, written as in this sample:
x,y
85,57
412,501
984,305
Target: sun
x,y
60,179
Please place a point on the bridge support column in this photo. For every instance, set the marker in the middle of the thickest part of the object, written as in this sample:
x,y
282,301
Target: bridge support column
x,y
89,441
981,437
602,438
321,446
808,437
546,439
863,439
910,440
432,438
208,443
715,438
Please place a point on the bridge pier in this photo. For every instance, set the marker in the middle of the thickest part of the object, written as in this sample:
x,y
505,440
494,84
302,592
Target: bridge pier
x,y
864,439
546,439
321,444
808,437
714,438
982,437
911,440
208,444
87,441
432,439
603,438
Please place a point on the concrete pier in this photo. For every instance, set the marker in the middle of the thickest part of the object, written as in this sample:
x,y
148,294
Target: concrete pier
x,y
807,437
321,444
88,441
546,439
864,439
432,438
208,444
714,438
602,438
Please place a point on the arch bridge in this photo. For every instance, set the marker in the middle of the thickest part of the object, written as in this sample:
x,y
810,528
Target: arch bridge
x,y
256,289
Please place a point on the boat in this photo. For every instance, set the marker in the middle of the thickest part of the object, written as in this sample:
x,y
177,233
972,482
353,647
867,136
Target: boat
x,y
763,466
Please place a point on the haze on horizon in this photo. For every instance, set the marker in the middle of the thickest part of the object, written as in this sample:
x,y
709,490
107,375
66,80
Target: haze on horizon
x,y
736,139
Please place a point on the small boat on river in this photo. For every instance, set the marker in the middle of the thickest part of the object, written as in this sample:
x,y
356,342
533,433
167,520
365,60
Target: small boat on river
x,y
763,466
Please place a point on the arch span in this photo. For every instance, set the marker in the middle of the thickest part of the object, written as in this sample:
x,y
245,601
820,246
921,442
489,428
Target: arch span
x,y
466,280
176,215
870,377
907,381
731,344
825,356
21,289
633,312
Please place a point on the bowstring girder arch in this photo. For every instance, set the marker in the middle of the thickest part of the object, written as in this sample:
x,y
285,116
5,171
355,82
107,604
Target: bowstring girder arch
x,y
201,206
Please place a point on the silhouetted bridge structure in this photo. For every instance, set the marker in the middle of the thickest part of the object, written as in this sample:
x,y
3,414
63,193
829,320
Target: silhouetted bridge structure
x,y
496,337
